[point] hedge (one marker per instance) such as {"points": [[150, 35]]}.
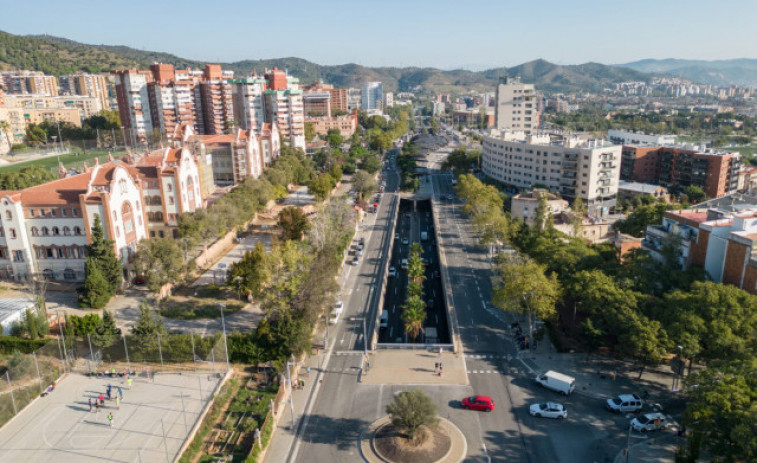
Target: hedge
{"points": [[9, 344]]}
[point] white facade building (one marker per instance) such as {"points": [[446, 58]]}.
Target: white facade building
{"points": [[516, 107], [589, 169], [623, 137]]}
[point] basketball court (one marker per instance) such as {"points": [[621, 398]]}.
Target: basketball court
{"points": [[155, 418]]}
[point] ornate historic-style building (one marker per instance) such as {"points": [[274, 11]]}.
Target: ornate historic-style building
{"points": [[45, 229]]}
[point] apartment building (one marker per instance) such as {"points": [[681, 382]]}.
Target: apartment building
{"points": [[274, 99], [718, 235], [715, 172], [354, 99], [174, 98], [217, 102], [372, 97], [87, 106], [346, 124], [316, 103], [570, 166], [87, 85], [134, 103], [338, 99], [44, 230], [28, 82], [516, 106]]}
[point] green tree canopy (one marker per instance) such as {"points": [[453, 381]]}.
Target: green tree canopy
{"points": [[412, 410]]}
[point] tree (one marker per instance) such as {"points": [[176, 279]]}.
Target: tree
{"points": [[106, 333], [161, 261], [695, 193], [542, 214], [722, 409], [411, 410], [636, 222], [334, 138], [252, 272], [523, 286], [293, 223], [363, 183], [101, 252], [645, 340], [416, 269], [321, 185], [26, 177], [371, 163], [96, 292], [309, 131], [413, 315], [149, 323], [5, 128], [577, 217]]}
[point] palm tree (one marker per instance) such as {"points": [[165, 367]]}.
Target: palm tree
{"points": [[414, 314], [5, 127], [416, 269]]}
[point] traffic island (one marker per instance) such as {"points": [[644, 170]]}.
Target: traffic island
{"points": [[383, 443]]}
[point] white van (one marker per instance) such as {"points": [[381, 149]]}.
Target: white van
{"points": [[557, 382], [384, 324]]}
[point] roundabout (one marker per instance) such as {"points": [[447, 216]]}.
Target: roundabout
{"points": [[381, 442]]}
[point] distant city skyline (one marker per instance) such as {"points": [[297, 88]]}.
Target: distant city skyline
{"points": [[441, 34]]}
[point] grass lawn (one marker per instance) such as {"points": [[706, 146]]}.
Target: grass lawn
{"points": [[74, 160], [747, 151], [203, 306]]}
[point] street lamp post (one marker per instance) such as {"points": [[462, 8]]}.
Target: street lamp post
{"points": [[223, 327]]}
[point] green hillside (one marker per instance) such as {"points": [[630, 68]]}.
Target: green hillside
{"points": [[56, 56]]}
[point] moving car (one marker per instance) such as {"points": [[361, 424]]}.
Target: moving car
{"points": [[403, 264], [384, 319], [650, 422], [548, 410], [336, 312], [624, 403], [557, 382], [405, 241], [478, 402], [396, 236], [424, 236], [392, 272]]}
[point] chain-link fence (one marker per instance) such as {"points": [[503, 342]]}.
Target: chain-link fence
{"points": [[23, 377], [26, 376]]}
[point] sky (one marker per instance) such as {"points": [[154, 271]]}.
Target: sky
{"points": [[472, 34]]}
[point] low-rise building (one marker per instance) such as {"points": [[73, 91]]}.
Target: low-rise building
{"points": [[625, 137], [346, 124], [718, 235], [87, 106], [629, 190], [523, 206]]}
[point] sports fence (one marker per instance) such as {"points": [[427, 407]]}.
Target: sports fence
{"points": [[23, 377]]}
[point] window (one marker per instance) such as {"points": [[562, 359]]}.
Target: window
{"points": [[40, 253], [66, 231], [49, 253], [75, 212], [18, 256], [61, 253], [63, 213], [8, 215], [69, 274], [31, 212], [115, 216], [13, 233], [170, 200], [152, 233], [35, 231], [69, 253], [169, 187], [2, 231], [45, 231], [56, 231], [77, 231], [161, 234], [52, 213]]}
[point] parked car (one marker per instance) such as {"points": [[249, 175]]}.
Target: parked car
{"points": [[557, 382], [650, 422], [392, 272], [355, 261], [625, 403], [478, 402], [139, 281], [548, 410], [336, 312], [384, 323]]}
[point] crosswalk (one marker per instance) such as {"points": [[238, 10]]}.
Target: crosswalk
{"points": [[489, 356]]}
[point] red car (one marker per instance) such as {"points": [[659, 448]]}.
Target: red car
{"points": [[478, 402]]}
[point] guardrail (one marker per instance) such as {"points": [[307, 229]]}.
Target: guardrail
{"points": [[383, 274], [414, 346]]}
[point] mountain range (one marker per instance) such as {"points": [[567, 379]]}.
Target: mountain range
{"points": [[56, 56], [742, 71]]}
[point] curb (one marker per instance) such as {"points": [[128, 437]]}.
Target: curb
{"points": [[456, 453]]}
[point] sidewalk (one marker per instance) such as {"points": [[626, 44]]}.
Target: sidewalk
{"points": [[616, 376], [284, 435], [654, 450], [414, 367]]}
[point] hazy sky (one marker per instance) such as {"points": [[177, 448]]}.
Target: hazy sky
{"points": [[440, 33]]}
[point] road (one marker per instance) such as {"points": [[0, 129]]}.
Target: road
{"points": [[342, 407]]}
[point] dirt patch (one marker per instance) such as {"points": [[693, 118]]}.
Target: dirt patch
{"points": [[394, 445]]}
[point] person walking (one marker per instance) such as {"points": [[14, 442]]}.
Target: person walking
{"points": [[440, 352], [120, 392], [90, 405], [436, 367], [110, 420], [102, 400], [128, 383], [118, 403], [108, 392], [440, 369], [97, 407]]}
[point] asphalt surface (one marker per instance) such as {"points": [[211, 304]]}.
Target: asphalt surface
{"points": [[414, 218], [342, 407]]}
